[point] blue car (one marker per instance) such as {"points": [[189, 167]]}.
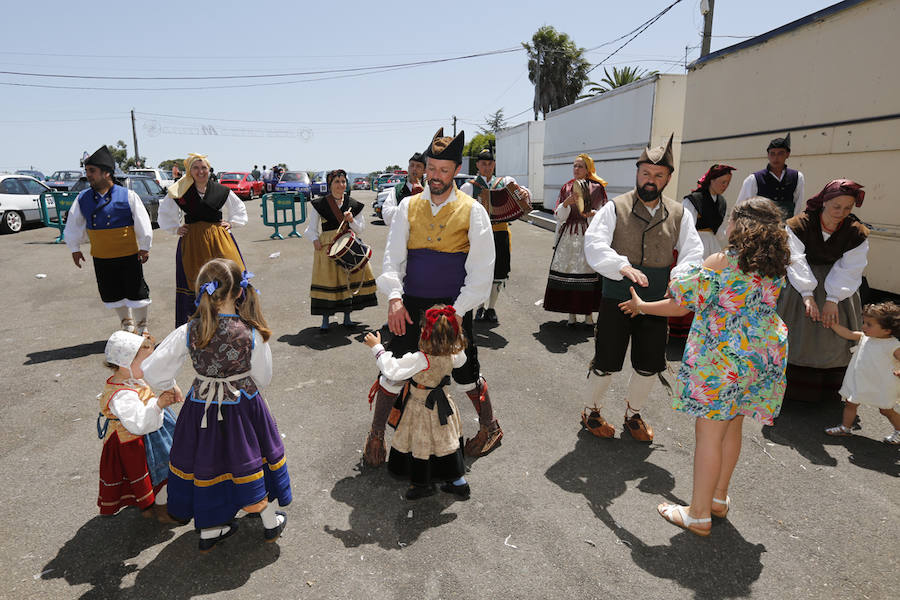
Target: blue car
{"points": [[294, 181], [319, 187]]}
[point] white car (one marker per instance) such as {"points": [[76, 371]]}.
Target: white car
{"points": [[19, 201], [163, 178]]}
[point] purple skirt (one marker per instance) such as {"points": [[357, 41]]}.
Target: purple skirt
{"points": [[236, 462]]}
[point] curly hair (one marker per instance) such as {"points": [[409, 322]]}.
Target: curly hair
{"points": [[759, 238], [886, 314]]}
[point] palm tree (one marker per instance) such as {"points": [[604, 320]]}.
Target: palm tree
{"points": [[556, 67], [618, 78]]}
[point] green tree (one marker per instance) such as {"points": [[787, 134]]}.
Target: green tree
{"points": [[617, 78], [494, 122], [168, 164], [119, 152], [391, 168], [283, 166], [556, 67], [476, 145]]}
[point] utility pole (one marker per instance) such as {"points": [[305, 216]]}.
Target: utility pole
{"points": [[706, 9], [137, 155], [454, 125]]}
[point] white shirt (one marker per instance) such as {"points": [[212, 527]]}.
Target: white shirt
{"points": [[479, 262], [606, 261], [749, 189], [399, 369], [75, 232], [842, 280], [161, 367], [390, 204], [358, 224], [170, 216], [712, 242], [135, 416]]}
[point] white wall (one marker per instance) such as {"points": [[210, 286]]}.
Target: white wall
{"points": [[520, 154]]}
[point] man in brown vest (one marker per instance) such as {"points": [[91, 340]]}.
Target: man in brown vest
{"points": [[630, 243]]}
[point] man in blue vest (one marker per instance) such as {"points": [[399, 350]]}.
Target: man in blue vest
{"points": [[777, 182], [113, 219]]}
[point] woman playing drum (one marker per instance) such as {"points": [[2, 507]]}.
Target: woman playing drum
{"points": [[334, 288]]}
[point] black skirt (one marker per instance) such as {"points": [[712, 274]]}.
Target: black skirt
{"points": [[121, 278]]}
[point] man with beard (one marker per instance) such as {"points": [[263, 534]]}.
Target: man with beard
{"points": [[117, 225], [777, 182], [482, 184], [630, 243], [439, 251], [413, 186]]}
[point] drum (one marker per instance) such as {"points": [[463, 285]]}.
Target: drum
{"points": [[349, 251]]}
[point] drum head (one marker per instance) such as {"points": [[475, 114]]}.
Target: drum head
{"points": [[339, 246]]}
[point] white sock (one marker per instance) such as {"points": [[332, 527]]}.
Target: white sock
{"points": [[140, 314], [213, 532], [601, 387], [124, 312], [162, 496], [639, 389], [269, 518], [495, 291]]}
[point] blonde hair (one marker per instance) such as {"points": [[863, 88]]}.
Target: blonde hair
{"points": [[227, 274], [444, 339]]}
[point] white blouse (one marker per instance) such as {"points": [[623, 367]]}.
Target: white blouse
{"points": [[399, 369], [161, 367], [479, 262], [170, 216], [75, 232], [358, 224], [842, 280], [138, 418]]}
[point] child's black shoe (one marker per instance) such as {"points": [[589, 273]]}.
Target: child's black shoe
{"points": [[462, 491], [419, 491], [207, 544], [272, 534]]}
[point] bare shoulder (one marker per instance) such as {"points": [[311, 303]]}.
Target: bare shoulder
{"points": [[716, 262]]}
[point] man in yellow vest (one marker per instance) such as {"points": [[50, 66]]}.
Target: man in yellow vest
{"points": [[440, 250], [630, 243], [118, 227]]}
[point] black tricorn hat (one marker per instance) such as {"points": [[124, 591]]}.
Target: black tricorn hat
{"points": [[661, 155], [446, 148], [784, 142], [486, 154], [417, 157], [103, 159]]}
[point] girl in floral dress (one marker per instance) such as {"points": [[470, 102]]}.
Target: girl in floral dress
{"points": [[736, 351]]}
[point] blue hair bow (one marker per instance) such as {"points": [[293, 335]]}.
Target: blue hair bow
{"points": [[209, 287], [245, 279]]}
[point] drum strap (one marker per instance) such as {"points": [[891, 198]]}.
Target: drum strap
{"points": [[335, 209]]}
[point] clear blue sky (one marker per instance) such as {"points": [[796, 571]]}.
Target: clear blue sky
{"points": [[357, 123]]}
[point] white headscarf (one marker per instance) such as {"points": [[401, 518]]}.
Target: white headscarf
{"points": [[180, 187]]}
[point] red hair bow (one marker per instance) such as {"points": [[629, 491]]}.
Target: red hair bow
{"points": [[433, 314]]}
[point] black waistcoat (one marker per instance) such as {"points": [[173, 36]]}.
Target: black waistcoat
{"points": [[779, 192], [710, 211], [326, 216], [208, 208]]}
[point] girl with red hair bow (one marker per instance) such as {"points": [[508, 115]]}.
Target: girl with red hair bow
{"points": [[426, 446]]}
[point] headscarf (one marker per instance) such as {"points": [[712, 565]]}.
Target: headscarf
{"points": [[592, 171], [714, 172], [180, 187], [838, 187]]}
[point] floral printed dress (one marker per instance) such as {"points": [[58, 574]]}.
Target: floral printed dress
{"points": [[736, 351]]}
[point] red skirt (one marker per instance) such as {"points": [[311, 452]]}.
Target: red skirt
{"points": [[680, 326], [124, 477]]}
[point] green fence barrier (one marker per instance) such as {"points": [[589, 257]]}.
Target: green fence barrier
{"points": [[283, 212], [54, 207]]}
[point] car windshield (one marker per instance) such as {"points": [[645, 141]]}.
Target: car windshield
{"points": [[231, 176], [296, 177], [153, 186]]}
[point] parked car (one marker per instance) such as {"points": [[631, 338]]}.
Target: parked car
{"points": [[294, 181], [360, 183], [379, 201], [62, 181], [319, 187], [19, 201], [162, 177], [146, 188], [31, 173], [243, 184]]}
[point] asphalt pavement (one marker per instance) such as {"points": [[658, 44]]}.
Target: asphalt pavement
{"points": [[554, 512]]}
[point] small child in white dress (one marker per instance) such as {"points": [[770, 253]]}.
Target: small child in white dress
{"points": [[873, 376]]}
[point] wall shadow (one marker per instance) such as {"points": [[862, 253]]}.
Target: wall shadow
{"points": [[67, 353]]}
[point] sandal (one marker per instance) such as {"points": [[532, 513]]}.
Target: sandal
{"points": [[893, 439], [668, 511], [128, 325], [839, 431], [636, 426], [721, 514], [594, 422]]}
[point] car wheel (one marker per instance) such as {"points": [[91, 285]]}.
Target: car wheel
{"points": [[12, 222]]}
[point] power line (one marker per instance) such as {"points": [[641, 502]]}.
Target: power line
{"points": [[637, 31]]}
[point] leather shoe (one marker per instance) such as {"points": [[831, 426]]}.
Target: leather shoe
{"points": [[416, 492], [272, 534], [207, 544], [463, 491]]}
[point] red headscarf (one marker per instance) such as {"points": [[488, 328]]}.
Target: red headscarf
{"points": [[433, 314], [714, 172], [838, 187]]}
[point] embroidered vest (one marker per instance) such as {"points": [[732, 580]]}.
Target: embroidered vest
{"points": [[710, 211], [779, 192], [647, 242], [110, 224], [819, 251], [115, 426]]}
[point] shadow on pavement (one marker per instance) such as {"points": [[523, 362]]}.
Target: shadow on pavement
{"points": [[801, 426], [485, 337], [557, 336], [600, 469], [98, 552], [69, 352], [381, 515], [312, 338]]}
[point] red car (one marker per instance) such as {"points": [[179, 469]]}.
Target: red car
{"points": [[360, 183], [243, 185]]}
